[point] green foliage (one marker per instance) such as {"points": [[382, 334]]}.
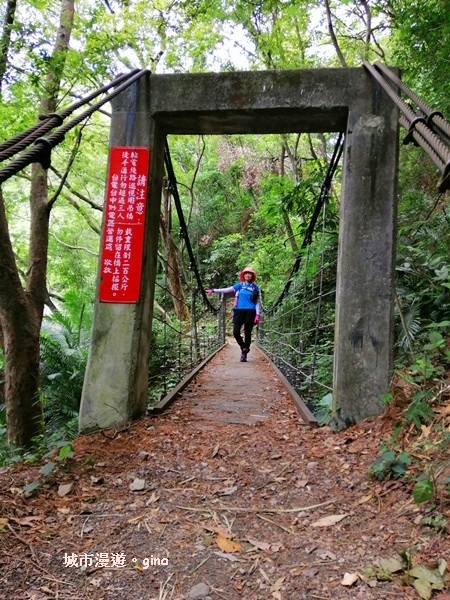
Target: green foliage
{"points": [[324, 409], [64, 350], [437, 521], [43, 446], [221, 266], [390, 465], [65, 451], [419, 411], [420, 40], [424, 489], [423, 579]]}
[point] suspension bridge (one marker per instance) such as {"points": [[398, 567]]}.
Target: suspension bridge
{"points": [[330, 332]]}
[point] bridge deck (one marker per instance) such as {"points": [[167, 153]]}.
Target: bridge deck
{"points": [[229, 391]]}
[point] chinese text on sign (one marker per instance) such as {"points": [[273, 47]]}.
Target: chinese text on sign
{"points": [[124, 224]]}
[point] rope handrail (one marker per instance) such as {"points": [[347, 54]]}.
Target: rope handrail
{"points": [[418, 127], [47, 122], [41, 150]]}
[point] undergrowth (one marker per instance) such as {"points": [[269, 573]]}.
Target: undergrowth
{"points": [[418, 407]]}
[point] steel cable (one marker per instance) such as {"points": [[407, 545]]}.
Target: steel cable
{"points": [[183, 227], [323, 196], [427, 137], [434, 117], [48, 122], [41, 150]]}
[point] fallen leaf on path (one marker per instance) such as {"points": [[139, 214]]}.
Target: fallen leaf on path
{"points": [[238, 587], [297, 570], [227, 545], [227, 491], [153, 498], [277, 585], [364, 499], [349, 579], [328, 521], [221, 531], [64, 489], [137, 485], [27, 521], [34, 594], [230, 557], [302, 483], [266, 577], [259, 545], [326, 554]]}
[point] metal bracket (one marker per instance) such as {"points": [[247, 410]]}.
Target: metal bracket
{"points": [[412, 126]]}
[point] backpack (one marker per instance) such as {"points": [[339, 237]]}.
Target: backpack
{"points": [[254, 297]]}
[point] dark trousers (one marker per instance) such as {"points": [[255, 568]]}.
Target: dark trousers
{"points": [[243, 318]]}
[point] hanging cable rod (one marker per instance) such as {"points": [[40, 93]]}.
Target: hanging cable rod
{"points": [[183, 227], [426, 128], [307, 239]]}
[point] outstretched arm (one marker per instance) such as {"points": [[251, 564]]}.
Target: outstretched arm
{"points": [[227, 290]]}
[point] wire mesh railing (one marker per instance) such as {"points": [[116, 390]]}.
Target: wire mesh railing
{"points": [[298, 336], [297, 330], [181, 339]]}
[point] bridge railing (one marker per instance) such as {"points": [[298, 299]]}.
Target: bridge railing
{"points": [[298, 336], [179, 343]]}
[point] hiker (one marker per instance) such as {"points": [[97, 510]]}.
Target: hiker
{"points": [[246, 311]]}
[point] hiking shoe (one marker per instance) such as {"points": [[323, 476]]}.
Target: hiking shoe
{"points": [[243, 356]]}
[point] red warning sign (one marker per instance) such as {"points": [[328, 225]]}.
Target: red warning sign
{"points": [[124, 224]]}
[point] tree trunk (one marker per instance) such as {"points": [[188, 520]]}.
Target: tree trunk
{"points": [[172, 263], [286, 219], [21, 310], [20, 327], [21, 348], [5, 40]]}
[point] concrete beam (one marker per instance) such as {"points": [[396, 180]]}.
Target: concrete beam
{"points": [[310, 100]]}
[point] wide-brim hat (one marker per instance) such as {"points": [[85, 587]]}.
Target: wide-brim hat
{"points": [[247, 270]]}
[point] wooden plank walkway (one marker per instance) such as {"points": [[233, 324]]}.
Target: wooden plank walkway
{"points": [[233, 392]]}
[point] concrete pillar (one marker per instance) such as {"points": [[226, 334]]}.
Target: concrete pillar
{"points": [[364, 334], [116, 379]]}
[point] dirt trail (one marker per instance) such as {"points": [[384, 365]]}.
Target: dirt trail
{"points": [[229, 494]]}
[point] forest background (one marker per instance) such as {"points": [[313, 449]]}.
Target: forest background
{"points": [[248, 198]]}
